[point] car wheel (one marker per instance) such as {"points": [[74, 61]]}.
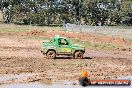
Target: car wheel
{"points": [[51, 54], [78, 55]]}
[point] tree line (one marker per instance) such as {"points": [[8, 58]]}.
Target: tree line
{"points": [[59, 12]]}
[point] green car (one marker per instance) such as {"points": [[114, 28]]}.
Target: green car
{"points": [[62, 46]]}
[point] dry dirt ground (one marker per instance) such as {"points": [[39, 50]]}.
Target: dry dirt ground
{"points": [[21, 59]]}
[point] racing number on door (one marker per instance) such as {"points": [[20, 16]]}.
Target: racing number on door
{"points": [[65, 50]]}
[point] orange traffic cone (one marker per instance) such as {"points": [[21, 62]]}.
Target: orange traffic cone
{"points": [[85, 73]]}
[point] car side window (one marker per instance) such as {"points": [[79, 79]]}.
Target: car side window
{"points": [[63, 41], [66, 42]]}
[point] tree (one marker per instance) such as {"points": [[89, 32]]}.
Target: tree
{"points": [[48, 12]]}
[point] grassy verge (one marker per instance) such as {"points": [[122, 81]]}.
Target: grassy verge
{"points": [[87, 44], [129, 40], [27, 28], [36, 38], [94, 45], [40, 38], [99, 46], [24, 28]]}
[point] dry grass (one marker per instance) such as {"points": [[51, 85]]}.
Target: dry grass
{"points": [[23, 28], [1, 18]]}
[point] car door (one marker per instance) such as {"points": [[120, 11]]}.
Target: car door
{"points": [[64, 47]]}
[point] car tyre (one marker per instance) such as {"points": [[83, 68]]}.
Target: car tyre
{"points": [[51, 54], [78, 55]]}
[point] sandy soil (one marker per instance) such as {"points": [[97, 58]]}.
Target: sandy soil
{"points": [[21, 59]]}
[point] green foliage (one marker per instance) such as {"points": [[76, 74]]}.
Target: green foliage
{"points": [[90, 12]]}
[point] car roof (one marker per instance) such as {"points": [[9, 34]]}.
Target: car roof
{"points": [[57, 36]]}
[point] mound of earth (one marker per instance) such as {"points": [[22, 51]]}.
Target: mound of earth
{"points": [[82, 36]]}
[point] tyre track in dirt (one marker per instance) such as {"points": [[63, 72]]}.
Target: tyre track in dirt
{"points": [[12, 46], [19, 47], [107, 54], [20, 51], [23, 56]]}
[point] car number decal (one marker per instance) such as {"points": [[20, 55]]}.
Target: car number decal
{"points": [[66, 50]]}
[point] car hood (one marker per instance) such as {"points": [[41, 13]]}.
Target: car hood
{"points": [[46, 43], [78, 46]]}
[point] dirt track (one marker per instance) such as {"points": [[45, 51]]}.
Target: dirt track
{"points": [[22, 57]]}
